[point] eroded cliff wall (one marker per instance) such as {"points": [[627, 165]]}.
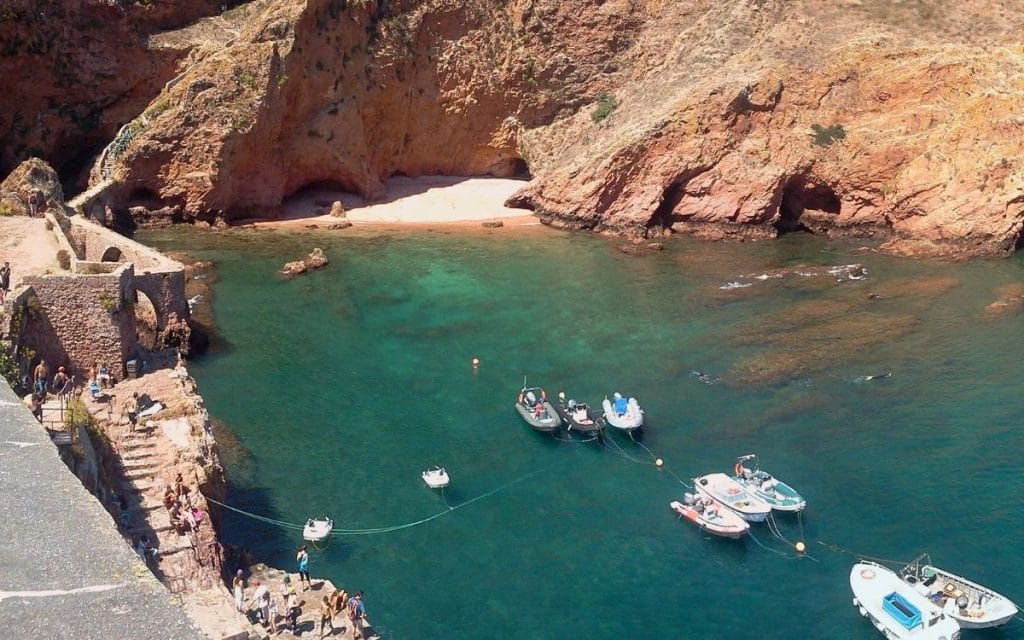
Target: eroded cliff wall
{"points": [[747, 118]]}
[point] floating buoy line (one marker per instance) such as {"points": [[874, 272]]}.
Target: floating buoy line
{"points": [[375, 530], [799, 545]]}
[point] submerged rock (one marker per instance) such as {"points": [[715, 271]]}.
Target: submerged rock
{"points": [[315, 260]]}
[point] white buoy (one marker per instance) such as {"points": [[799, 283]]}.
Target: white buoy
{"points": [[476, 362], [561, 396], [659, 462], [800, 547]]}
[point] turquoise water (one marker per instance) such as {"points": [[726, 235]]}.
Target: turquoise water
{"points": [[341, 386]]}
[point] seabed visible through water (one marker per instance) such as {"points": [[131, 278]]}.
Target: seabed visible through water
{"points": [[338, 388]]}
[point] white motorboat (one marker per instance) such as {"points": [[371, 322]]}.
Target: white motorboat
{"points": [[317, 529], [731, 493], [779, 495], [436, 478], [622, 413], [969, 603], [895, 608]]}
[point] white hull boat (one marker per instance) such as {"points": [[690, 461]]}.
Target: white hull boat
{"points": [[436, 478], [969, 603], [779, 495], [732, 494], [623, 414], [896, 609], [317, 529], [711, 516]]}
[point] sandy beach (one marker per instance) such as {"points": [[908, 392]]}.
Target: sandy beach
{"points": [[446, 200]]}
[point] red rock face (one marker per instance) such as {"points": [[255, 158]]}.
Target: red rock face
{"points": [[75, 70], [719, 119]]}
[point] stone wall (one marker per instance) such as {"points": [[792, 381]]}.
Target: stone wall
{"points": [[83, 320], [95, 241]]}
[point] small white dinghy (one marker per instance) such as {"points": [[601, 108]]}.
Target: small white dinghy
{"points": [[317, 529], [622, 413], [895, 608], [436, 478], [969, 603], [732, 494]]}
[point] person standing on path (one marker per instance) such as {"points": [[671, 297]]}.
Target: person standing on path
{"points": [[302, 557], [33, 203], [292, 610], [5, 280], [261, 600], [61, 385], [357, 614], [326, 613], [238, 587], [39, 376]]}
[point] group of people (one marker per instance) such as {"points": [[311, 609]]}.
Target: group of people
{"points": [[61, 385], [185, 516], [267, 610]]}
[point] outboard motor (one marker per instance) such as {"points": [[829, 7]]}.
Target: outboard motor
{"points": [[531, 399], [961, 602], [688, 498]]}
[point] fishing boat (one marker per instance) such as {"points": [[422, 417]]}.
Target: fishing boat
{"points": [[969, 603], [711, 516], [317, 529], [895, 608], [579, 417], [779, 495], [623, 414], [533, 407], [731, 493], [436, 478]]}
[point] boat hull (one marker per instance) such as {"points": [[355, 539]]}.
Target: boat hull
{"points": [[895, 609], [549, 422], [723, 527], [594, 426], [782, 498], [944, 588], [724, 489], [632, 420]]}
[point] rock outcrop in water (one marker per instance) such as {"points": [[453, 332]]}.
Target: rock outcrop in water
{"points": [[896, 121]]}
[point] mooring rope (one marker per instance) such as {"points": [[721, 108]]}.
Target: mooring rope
{"points": [[750, 534], [616, 448], [860, 556], [374, 530]]}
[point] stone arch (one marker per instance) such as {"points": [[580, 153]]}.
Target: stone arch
{"points": [[112, 254], [148, 322]]}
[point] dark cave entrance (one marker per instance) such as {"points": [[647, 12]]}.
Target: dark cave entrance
{"points": [[670, 198], [806, 206]]}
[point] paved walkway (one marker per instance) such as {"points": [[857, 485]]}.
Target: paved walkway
{"points": [[66, 572]]}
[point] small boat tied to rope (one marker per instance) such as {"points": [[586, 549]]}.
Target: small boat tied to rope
{"points": [[317, 529], [436, 478]]}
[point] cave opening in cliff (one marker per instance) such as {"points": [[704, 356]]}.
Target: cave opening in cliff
{"points": [[670, 198], [73, 170], [801, 195], [316, 197]]}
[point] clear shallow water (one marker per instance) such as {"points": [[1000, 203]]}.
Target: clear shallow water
{"points": [[341, 386]]}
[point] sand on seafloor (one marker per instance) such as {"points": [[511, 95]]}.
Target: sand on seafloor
{"points": [[427, 199]]}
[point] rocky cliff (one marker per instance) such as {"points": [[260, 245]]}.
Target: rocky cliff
{"points": [[895, 120]]}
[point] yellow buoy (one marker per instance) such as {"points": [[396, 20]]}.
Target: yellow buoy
{"points": [[476, 362], [800, 547], [659, 462]]}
